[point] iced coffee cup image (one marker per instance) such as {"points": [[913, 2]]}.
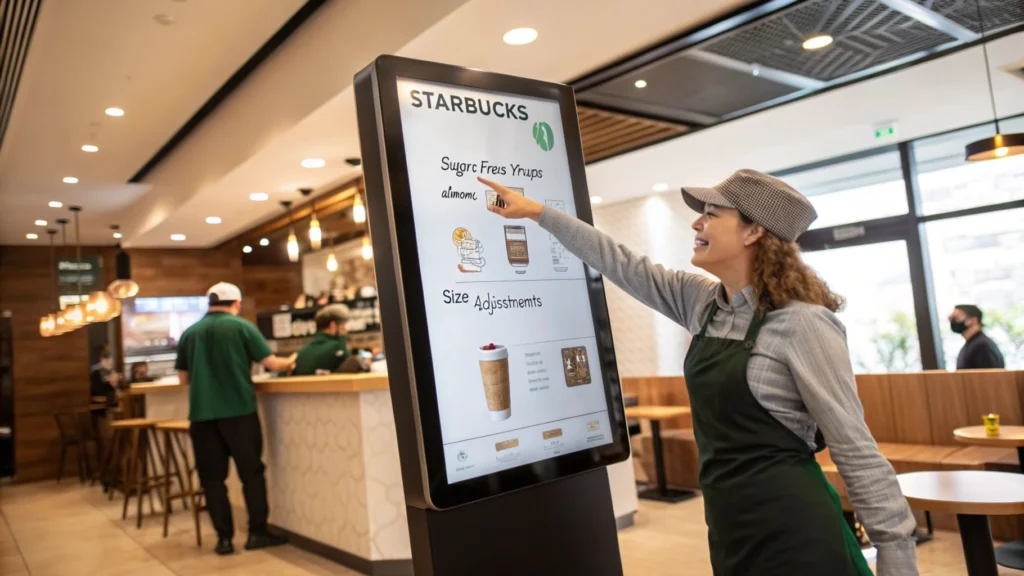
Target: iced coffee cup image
{"points": [[494, 373]]}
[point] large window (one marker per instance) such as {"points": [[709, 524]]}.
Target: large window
{"points": [[879, 314], [905, 252]]}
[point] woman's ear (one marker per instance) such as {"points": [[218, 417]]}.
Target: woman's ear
{"points": [[754, 233]]}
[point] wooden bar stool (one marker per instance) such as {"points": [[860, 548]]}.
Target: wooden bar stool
{"points": [[175, 433], [70, 437], [141, 474]]}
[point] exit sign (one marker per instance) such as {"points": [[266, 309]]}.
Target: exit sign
{"points": [[885, 131]]}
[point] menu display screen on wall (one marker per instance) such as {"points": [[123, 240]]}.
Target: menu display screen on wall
{"points": [[508, 308]]}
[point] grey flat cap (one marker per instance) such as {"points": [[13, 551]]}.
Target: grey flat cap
{"points": [[764, 199]]}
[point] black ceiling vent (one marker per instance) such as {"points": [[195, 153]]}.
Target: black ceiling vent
{"points": [[867, 33], [998, 14], [17, 21]]}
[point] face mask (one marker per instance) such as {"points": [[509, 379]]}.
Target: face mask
{"points": [[957, 326]]}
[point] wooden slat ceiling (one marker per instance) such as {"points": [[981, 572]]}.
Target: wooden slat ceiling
{"points": [[609, 133]]}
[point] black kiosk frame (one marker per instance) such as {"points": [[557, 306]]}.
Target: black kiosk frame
{"points": [[548, 517]]}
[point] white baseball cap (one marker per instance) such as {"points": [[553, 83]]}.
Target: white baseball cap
{"points": [[223, 292]]}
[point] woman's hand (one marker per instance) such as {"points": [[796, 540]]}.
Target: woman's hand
{"points": [[516, 205]]}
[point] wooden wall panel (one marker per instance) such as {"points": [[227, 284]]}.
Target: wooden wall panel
{"points": [[660, 391], [947, 404], [913, 421], [873, 390], [992, 391], [268, 286]]}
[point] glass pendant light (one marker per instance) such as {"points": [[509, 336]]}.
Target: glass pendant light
{"points": [[124, 286], [48, 323], [315, 234], [75, 316], [293, 240], [332, 263], [358, 210], [367, 248], [1001, 145]]}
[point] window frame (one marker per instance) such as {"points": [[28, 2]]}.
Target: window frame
{"points": [[909, 227]]}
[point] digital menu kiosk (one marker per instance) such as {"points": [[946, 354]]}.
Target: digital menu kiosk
{"points": [[499, 348]]}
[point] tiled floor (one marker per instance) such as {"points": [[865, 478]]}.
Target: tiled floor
{"points": [[48, 529]]}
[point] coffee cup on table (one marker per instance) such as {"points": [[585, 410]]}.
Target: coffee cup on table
{"points": [[494, 373]]}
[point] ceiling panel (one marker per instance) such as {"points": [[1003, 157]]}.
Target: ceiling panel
{"points": [[608, 133], [997, 13]]}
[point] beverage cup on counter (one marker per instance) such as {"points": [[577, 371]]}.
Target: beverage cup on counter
{"points": [[991, 424], [494, 373]]}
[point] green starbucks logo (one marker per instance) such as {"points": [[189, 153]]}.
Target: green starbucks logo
{"points": [[543, 135]]}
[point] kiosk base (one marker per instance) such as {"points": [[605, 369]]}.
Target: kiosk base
{"points": [[558, 528]]}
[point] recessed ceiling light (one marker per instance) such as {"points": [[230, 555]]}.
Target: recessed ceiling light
{"points": [[40, 222], [178, 237], [115, 112], [90, 148], [640, 83], [259, 196], [314, 163], [756, 71], [213, 220], [519, 36], [595, 199], [31, 236], [246, 249], [264, 242], [118, 235], [817, 42], [70, 180], [55, 204], [660, 187]]}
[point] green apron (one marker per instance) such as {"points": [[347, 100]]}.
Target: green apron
{"points": [[768, 507]]}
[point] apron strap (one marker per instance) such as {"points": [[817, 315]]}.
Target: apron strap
{"points": [[713, 309], [753, 330]]}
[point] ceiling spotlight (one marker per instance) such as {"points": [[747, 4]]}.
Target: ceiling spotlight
{"points": [[31, 236], [519, 36], [115, 112], [314, 163], [40, 222], [756, 71], [90, 148], [353, 161], [55, 204], [660, 187], [595, 199], [259, 196], [70, 180], [640, 83], [817, 42], [246, 249], [213, 220], [118, 235], [264, 242], [178, 237]]}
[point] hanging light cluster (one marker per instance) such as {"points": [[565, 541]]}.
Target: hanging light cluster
{"points": [[99, 306]]}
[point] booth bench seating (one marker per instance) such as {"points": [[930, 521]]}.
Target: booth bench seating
{"points": [[911, 416]]}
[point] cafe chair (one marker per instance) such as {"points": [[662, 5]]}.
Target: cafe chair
{"points": [[71, 437]]}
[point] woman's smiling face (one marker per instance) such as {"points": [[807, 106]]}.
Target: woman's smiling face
{"points": [[722, 238]]}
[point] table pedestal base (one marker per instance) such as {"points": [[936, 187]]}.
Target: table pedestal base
{"points": [[670, 495], [976, 537], [1011, 555]]}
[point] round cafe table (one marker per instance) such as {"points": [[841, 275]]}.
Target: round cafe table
{"points": [[1011, 554], [655, 414], [973, 495]]}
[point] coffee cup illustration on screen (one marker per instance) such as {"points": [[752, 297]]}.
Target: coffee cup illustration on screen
{"points": [[494, 200], [470, 250], [494, 373], [576, 366], [517, 249]]}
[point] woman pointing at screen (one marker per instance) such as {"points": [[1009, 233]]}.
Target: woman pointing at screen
{"points": [[767, 368]]}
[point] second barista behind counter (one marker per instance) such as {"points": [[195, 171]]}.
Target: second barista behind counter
{"points": [[328, 352]]}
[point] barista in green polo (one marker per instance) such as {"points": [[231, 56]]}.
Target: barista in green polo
{"points": [[215, 358], [329, 347]]}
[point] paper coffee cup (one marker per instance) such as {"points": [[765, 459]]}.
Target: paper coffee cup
{"points": [[494, 373]]}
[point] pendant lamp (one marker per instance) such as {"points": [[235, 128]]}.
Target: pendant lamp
{"points": [[48, 323], [293, 240], [75, 316], [358, 210], [1001, 145], [367, 248], [315, 233], [60, 323], [124, 286]]}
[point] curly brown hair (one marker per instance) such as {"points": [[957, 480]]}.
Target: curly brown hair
{"points": [[781, 276]]}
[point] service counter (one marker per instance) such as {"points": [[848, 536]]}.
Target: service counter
{"points": [[333, 471]]}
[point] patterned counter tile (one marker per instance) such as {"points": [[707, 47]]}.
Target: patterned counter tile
{"points": [[389, 527]]}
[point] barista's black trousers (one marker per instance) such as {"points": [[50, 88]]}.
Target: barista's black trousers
{"points": [[241, 439]]}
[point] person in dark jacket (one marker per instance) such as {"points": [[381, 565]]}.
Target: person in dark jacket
{"points": [[103, 379], [329, 347], [979, 351]]}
